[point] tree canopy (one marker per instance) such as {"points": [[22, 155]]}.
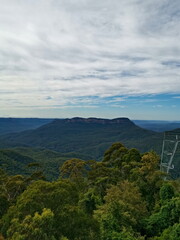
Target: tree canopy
{"points": [[122, 197]]}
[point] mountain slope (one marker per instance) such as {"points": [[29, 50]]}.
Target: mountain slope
{"points": [[90, 137], [14, 162], [10, 125]]}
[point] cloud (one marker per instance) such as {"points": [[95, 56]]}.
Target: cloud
{"points": [[87, 50], [158, 106]]}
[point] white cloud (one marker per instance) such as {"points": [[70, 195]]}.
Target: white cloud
{"points": [[158, 106], [84, 48]]}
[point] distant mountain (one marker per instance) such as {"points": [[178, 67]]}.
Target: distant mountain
{"points": [[158, 126], [89, 137], [11, 125]]}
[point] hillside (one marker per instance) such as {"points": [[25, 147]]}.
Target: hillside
{"points": [[16, 160], [90, 137], [11, 125]]}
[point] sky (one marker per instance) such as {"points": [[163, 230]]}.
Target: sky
{"points": [[90, 58]]}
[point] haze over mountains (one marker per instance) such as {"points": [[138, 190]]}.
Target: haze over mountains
{"points": [[11, 125], [158, 126], [87, 136]]}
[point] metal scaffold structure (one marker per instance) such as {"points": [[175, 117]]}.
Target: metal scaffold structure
{"points": [[170, 151]]}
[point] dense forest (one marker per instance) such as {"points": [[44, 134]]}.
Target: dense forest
{"points": [[122, 197]]}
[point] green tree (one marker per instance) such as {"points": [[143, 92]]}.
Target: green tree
{"points": [[149, 178], [171, 233], [114, 155], [118, 156], [166, 192], [167, 216], [39, 226], [11, 186], [130, 161], [62, 198], [4, 205], [101, 177], [90, 200], [123, 208], [74, 169], [36, 172]]}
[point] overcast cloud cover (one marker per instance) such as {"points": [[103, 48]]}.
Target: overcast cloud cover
{"points": [[104, 58]]}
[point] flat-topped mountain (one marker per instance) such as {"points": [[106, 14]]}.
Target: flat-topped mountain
{"points": [[87, 136], [97, 120]]}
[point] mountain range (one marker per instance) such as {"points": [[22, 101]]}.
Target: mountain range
{"points": [[54, 141], [10, 125], [87, 136], [158, 126]]}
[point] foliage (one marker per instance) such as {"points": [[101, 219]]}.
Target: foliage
{"points": [[149, 178], [40, 226], [171, 233], [19, 161], [123, 197], [166, 192], [123, 208], [167, 216]]}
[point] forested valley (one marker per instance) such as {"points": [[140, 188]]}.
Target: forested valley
{"points": [[122, 197]]}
